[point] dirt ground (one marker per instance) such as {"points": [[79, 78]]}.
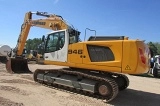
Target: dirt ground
{"points": [[21, 90]]}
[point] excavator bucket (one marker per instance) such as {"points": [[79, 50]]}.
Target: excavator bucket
{"points": [[17, 65]]}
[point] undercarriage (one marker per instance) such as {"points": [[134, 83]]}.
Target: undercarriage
{"points": [[94, 83]]}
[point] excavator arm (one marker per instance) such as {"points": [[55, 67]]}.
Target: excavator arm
{"points": [[51, 21]]}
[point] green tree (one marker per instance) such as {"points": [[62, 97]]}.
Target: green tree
{"points": [[157, 44], [33, 44], [153, 47]]}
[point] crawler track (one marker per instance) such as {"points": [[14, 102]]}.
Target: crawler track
{"points": [[122, 81], [106, 88]]}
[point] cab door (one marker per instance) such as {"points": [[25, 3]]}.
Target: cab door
{"points": [[56, 47]]}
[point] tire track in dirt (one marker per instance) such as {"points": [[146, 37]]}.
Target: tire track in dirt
{"points": [[87, 100], [13, 90], [83, 100], [19, 81], [28, 77], [2, 67], [7, 102]]}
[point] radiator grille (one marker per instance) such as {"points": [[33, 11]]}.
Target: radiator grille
{"points": [[100, 53]]}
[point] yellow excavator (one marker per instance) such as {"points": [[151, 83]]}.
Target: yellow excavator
{"points": [[34, 56], [96, 66]]}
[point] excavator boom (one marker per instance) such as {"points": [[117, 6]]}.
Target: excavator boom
{"points": [[53, 22]]}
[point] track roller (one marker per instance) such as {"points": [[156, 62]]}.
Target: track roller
{"points": [[104, 89], [108, 89], [121, 80]]}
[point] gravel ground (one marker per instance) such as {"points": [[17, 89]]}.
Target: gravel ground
{"points": [[21, 90]]}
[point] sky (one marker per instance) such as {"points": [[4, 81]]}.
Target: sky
{"points": [[136, 19]]}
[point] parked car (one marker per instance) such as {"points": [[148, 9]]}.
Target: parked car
{"points": [[155, 68]]}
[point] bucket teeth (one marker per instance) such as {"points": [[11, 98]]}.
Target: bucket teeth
{"points": [[17, 65]]}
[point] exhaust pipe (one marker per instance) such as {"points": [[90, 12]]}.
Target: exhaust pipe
{"points": [[17, 65]]}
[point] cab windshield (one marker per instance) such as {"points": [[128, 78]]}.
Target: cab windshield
{"points": [[55, 41]]}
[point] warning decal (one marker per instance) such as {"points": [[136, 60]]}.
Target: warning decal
{"points": [[127, 68]]}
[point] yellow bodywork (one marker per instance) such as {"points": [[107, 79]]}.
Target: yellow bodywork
{"points": [[130, 56], [34, 56]]}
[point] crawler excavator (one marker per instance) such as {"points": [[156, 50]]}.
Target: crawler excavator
{"points": [[96, 66]]}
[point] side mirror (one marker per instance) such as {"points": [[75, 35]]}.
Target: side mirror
{"points": [[43, 38]]}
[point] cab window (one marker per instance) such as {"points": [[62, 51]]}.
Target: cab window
{"points": [[55, 41], [73, 36]]}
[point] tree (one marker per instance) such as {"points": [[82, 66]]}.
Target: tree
{"points": [[153, 48], [158, 47], [33, 44]]}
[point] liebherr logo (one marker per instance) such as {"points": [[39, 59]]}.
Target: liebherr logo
{"points": [[38, 23]]}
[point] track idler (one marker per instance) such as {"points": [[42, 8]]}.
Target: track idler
{"points": [[17, 65]]}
